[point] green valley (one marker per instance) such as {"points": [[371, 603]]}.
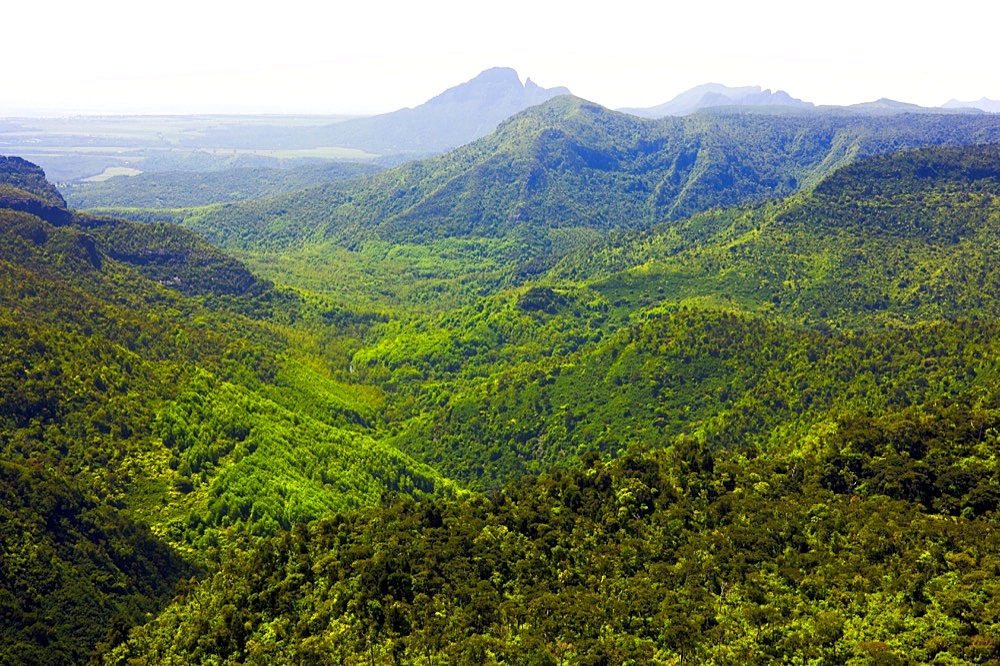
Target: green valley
{"points": [[593, 388]]}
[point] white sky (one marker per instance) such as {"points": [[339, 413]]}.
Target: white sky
{"points": [[373, 56]]}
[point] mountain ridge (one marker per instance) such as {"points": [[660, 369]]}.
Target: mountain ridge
{"points": [[984, 104], [753, 99], [570, 163], [711, 95]]}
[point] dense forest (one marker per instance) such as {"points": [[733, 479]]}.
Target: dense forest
{"points": [[592, 389]]}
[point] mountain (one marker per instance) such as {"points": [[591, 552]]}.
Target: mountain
{"points": [[714, 96], [987, 105], [78, 148], [711, 95], [457, 116], [594, 388], [562, 171], [885, 106]]}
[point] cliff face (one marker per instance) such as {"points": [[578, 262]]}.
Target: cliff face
{"points": [[23, 187], [23, 175]]}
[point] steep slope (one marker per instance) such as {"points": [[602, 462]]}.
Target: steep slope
{"points": [[164, 253], [19, 174], [903, 237], [75, 571], [140, 427], [569, 163], [23, 187], [98, 352]]}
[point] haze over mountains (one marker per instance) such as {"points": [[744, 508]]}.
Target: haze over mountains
{"points": [[458, 115], [76, 148], [988, 105], [711, 95]]}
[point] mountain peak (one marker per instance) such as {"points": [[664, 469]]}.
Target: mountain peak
{"points": [[498, 85], [460, 114]]}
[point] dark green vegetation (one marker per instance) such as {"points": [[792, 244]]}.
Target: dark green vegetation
{"points": [[74, 570], [593, 389], [843, 553]]}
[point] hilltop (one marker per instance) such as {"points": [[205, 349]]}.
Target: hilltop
{"points": [[453, 118]]}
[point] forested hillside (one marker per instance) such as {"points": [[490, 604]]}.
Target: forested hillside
{"points": [[142, 429], [504, 209], [570, 163], [800, 398], [594, 389], [734, 326]]}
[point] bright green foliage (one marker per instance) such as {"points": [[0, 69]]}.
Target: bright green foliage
{"points": [[863, 299], [244, 462], [850, 253], [720, 377], [108, 390]]}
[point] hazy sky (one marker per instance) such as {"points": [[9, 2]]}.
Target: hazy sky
{"points": [[373, 56]]}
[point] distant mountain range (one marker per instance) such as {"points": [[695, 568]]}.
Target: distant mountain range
{"points": [[712, 95], [457, 116], [71, 149], [716, 96], [473, 109], [988, 105]]}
